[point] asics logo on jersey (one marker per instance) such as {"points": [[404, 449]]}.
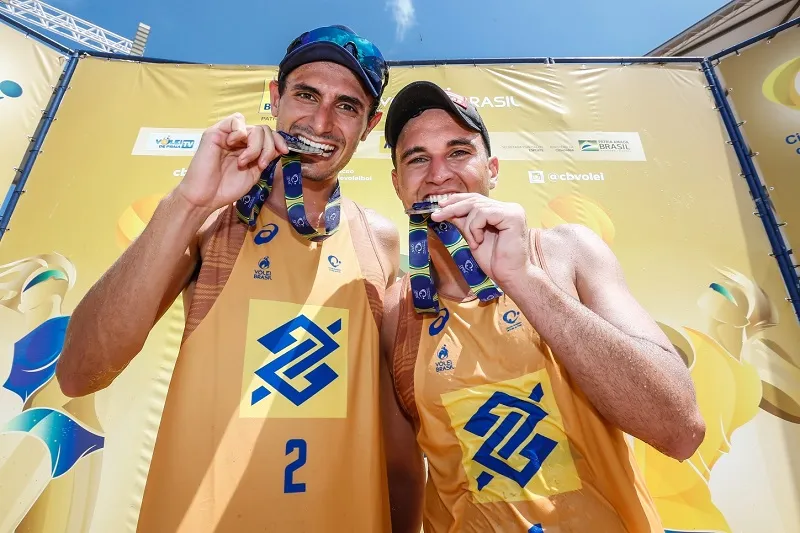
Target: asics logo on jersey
{"points": [[438, 325], [266, 234], [296, 373], [510, 436]]}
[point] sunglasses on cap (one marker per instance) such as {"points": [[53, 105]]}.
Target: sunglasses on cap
{"points": [[366, 54]]}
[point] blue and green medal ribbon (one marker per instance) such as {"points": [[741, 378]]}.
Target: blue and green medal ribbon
{"points": [[248, 207], [426, 300]]}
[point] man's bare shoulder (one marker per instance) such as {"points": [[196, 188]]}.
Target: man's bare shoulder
{"points": [[573, 250], [384, 229], [387, 242], [570, 248]]}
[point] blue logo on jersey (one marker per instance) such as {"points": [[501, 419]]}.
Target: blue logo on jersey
{"points": [[535, 450], [512, 319], [335, 263], [266, 234], [263, 272], [444, 364], [442, 353], [438, 325], [296, 358]]}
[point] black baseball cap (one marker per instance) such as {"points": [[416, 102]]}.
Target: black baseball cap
{"points": [[420, 96]]}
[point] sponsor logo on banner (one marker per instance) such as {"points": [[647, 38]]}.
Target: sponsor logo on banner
{"points": [[10, 89], [604, 145], [782, 86], [175, 142], [350, 175], [265, 106], [793, 140], [180, 172], [538, 176], [505, 100], [384, 146]]}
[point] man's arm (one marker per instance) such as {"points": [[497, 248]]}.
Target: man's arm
{"points": [[111, 323], [611, 347], [387, 241], [405, 467]]}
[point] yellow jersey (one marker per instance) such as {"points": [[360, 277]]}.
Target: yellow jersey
{"points": [[271, 421], [512, 443]]}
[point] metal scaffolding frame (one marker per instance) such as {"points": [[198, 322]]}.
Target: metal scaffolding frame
{"points": [[76, 29]]}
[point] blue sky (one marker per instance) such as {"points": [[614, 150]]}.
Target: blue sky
{"points": [[257, 32]]}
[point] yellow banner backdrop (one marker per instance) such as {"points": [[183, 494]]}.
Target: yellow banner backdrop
{"points": [[28, 72], [637, 153], [765, 93]]}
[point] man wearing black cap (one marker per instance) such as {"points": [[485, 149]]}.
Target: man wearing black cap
{"points": [[517, 357], [271, 420]]}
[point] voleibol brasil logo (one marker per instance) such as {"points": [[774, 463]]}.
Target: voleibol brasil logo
{"points": [[511, 436], [263, 272], [298, 372], [10, 89]]}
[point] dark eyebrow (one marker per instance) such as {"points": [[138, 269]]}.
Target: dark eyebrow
{"points": [[411, 151], [352, 100], [461, 141]]}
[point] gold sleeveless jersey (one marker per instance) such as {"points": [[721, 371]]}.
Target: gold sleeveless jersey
{"points": [[271, 421], [512, 444]]}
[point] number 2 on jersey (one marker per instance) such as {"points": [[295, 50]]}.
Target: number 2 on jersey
{"points": [[289, 486]]}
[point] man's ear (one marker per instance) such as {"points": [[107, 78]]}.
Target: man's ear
{"points": [[371, 125], [394, 182], [494, 168], [274, 97]]}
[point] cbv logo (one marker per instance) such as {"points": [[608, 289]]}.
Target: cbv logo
{"points": [[509, 437], [296, 372], [511, 318]]}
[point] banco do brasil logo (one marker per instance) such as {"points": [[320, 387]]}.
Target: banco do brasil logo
{"points": [[296, 372], [10, 89], [494, 460], [782, 86]]}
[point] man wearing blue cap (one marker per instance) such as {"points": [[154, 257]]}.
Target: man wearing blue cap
{"points": [[271, 421]]}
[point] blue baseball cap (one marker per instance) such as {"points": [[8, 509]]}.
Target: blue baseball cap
{"points": [[341, 45]]}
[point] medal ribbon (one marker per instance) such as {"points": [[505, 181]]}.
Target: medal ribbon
{"points": [[426, 300], [248, 207]]}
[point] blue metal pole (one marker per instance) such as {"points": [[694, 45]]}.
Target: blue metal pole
{"points": [[769, 34], [37, 141], [780, 251]]}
